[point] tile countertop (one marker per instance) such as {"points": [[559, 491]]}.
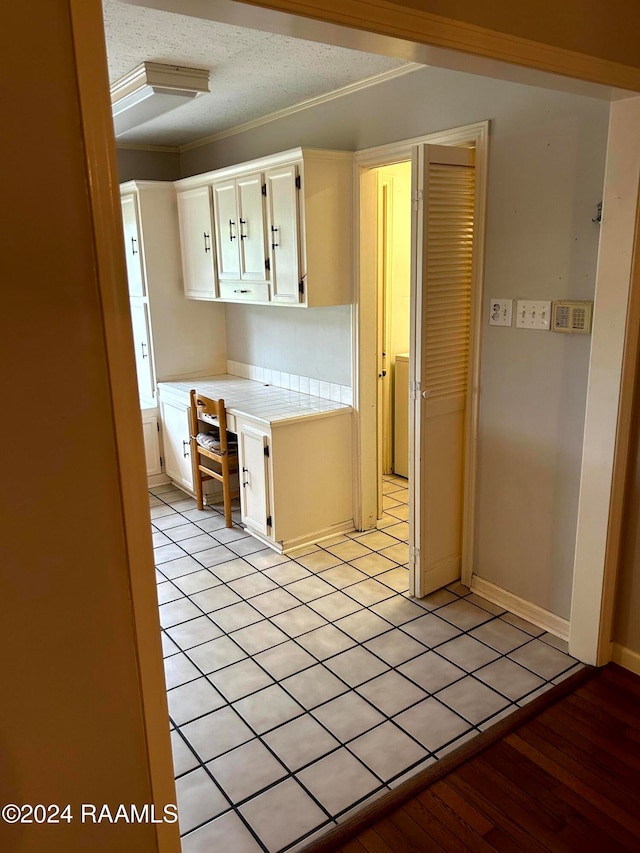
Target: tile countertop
{"points": [[247, 398]]}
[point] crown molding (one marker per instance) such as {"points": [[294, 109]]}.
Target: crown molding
{"points": [[374, 80], [134, 146]]}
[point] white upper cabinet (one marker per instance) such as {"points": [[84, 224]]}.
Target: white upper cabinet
{"points": [[142, 350], [132, 246], [197, 243], [238, 207], [172, 336], [287, 285], [283, 230]]}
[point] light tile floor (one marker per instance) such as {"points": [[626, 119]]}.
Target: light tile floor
{"points": [[301, 688]]}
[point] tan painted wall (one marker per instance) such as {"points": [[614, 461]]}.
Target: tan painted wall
{"points": [[627, 615], [604, 29], [71, 723]]}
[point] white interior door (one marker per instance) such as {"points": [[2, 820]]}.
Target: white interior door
{"points": [[441, 301]]}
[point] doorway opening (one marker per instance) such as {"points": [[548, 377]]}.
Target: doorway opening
{"points": [[419, 308], [393, 333]]}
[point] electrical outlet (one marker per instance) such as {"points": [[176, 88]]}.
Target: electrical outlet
{"points": [[500, 312], [533, 314]]}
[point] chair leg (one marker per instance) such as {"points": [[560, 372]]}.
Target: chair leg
{"points": [[197, 477], [226, 492]]}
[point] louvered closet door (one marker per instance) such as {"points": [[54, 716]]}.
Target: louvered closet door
{"points": [[442, 330]]}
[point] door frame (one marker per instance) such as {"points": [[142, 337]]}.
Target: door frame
{"points": [[365, 344]]}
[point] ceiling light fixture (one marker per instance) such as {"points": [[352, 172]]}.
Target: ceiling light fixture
{"points": [[152, 89]]}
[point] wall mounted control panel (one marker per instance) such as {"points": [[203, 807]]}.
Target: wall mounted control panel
{"points": [[572, 317]]}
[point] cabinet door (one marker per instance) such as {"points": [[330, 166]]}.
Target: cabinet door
{"points": [[283, 235], [196, 237], [132, 246], [151, 445], [251, 228], [225, 212], [142, 350], [254, 479], [177, 456]]}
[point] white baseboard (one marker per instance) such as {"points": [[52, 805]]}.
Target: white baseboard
{"points": [[626, 657], [555, 625], [157, 480]]}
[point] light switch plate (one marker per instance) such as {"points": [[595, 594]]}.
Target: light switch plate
{"points": [[533, 314], [500, 312]]}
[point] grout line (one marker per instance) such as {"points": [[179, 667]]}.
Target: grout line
{"points": [[317, 661]]}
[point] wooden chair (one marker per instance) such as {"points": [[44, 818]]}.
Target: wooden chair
{"points": [[215, 448]]}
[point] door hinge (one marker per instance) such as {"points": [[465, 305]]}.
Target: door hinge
{"points": [[267, 264], [269, 521], [301, 287], [158, 426], [266, 450], [416, 200], [298, 182], [414, 390], [414, 553], [161, 462], [264, 189]]}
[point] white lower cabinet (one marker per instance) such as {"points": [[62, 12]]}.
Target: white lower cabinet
{"points": [[152, 452], [177, 455], [295, 471], [255, 479], [296, 478]]}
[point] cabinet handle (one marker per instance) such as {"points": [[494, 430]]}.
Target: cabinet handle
{"points": [[143, 347], [186, 448], [242, 291], [134, 251], [242, 222], [207, 245], [274, 230], [232, 225], [245, 482]]}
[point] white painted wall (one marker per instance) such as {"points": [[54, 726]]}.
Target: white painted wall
{"points": [[546, 172], [313, 342]]}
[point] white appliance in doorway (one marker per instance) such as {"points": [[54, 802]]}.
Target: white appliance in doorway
{"points": [[401, 416]]}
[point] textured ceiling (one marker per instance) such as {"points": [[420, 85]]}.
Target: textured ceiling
{"points": [[253, 73]]}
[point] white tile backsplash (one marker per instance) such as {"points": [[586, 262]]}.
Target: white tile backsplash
{"points": [[291, 381]]}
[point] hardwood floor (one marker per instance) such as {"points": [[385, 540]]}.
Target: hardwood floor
{"points": [[566, 780]]}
